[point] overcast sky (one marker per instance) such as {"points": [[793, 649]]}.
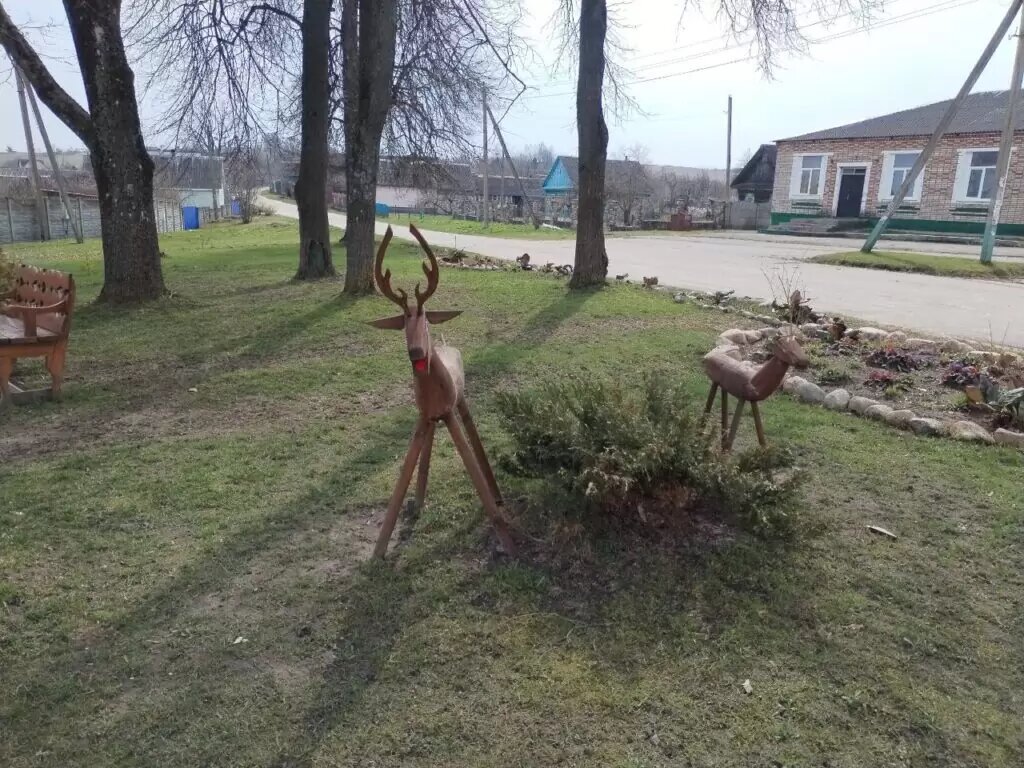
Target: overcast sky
{"points": [[899, 63]]}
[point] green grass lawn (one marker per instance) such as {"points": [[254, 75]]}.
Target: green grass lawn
{"points": [[948, 266], [183, 575], [439, 223]]}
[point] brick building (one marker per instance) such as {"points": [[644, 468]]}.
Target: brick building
{"points": [[853, 171]]}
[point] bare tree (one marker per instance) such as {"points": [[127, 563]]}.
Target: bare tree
{"points": [[245, 175], [368, 39], [626, 182], [111, 130]]}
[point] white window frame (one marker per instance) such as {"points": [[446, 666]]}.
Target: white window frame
{"points": [[963, 175], [839, 180], [885, 179], [794, 181]]}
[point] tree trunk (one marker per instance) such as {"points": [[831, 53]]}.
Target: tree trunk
{"points": [[368, 29], [591, 266], [113, 135], [311, 186]]}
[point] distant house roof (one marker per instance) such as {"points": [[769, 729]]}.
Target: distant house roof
{"points": [[564, 175], [69, 161], [982, 112], [177, 169], [759, 172]]}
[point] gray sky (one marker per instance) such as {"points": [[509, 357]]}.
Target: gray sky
{"points": [[899, 63]]}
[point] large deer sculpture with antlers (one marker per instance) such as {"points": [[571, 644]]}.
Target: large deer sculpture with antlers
{"points": [[440, 388]]}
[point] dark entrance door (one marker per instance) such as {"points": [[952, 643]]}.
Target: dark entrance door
{"points": [[851, 190]]}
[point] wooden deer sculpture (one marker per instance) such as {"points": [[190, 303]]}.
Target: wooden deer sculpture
{"points": [[439, 385], [749, 384]]}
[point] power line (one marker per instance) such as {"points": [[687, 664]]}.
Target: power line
{"points": [[947, 5]]}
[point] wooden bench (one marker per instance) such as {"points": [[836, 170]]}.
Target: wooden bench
{"points": [[35, 319]]}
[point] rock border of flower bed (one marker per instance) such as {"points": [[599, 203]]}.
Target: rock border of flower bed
{"points": [[733, 340]]}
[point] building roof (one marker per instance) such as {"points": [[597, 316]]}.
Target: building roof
{"points": [[982, 112], [68, 161], [759, 171], [614, 170], [187, 170]]}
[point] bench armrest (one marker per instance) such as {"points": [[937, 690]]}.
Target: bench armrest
{"points": [[28, 314]]}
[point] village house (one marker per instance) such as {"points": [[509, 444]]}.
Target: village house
{"points": [[853, 171], [756, 179], [626, 184]]}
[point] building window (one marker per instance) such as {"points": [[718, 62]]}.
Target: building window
{"points": [[895, 169], [810, 175], [976, 175], [982, 178]]}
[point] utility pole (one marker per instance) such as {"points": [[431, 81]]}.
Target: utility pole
{"points": [[484, 214], [501, 189], [44, 224], [515, 172], [940, 130], [728, 153], [995, 205], [57, 175]]}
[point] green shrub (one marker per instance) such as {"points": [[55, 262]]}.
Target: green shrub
{"points": [[833, 374], [6, 274], [639, 454]]}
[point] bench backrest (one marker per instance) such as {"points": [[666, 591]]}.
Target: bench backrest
{"points": [[35, 287]]}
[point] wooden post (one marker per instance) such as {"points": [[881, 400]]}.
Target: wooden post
{"points": [[940, 130], [728, 156], [81, 224], [10, 219], [995, 205], [57, 175], [44, 224], [515, 172], [485, 217]]}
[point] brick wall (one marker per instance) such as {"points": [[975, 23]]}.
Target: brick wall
{"points": [[936, 203]]}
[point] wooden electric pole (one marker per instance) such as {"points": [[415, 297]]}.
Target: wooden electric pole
{"points": [[484, 215], [940, 130], [515, 173], [57, 175], [995, 205], [728, 153], [37, 183]]}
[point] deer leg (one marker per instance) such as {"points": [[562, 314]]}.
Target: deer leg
{"points": [[480, 483], [709, 404], [6, 369], [424, 470], [725, 419], [735, 423], [478, 449], [757, 424], [404, 477]]}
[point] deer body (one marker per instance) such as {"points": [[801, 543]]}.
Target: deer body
{"points": [[439, 385], [749, 383]]}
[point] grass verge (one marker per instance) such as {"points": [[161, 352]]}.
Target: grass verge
{"points": [[947, 266], [439, 223], [183, 575]]}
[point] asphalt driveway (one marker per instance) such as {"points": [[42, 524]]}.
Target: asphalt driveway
{"points": [[982, 310]]}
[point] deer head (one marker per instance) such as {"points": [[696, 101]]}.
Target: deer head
{"points": [[416, 321], [787, 349]]}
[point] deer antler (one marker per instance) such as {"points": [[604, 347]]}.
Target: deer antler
{"points": [[398, 296], [432, 272]]}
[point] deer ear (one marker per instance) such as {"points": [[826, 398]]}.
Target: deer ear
{"points": [[395, 323], [442, 316]]}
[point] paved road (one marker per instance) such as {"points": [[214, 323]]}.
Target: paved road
{"points": [[971, 309]]}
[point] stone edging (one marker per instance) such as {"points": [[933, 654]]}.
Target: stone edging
{"points": [[730, 342]]}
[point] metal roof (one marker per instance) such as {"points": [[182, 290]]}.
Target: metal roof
{"points": [[982, 112]]}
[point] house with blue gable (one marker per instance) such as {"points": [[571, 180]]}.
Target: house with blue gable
{"points": [[626, 184]]}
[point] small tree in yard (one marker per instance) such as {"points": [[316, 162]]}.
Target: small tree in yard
{"points": [[245, 177], [111, 130]]}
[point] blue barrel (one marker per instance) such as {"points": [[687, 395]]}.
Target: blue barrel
{"points": [[236, 207], [190, 217], [383, 210]]}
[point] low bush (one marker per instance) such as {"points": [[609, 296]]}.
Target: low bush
{"points": [[639, 455], [896, 359], [6, 274]]}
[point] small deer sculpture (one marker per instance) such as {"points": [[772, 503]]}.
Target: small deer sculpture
{"points": [[439, 385], [749, 384]]}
